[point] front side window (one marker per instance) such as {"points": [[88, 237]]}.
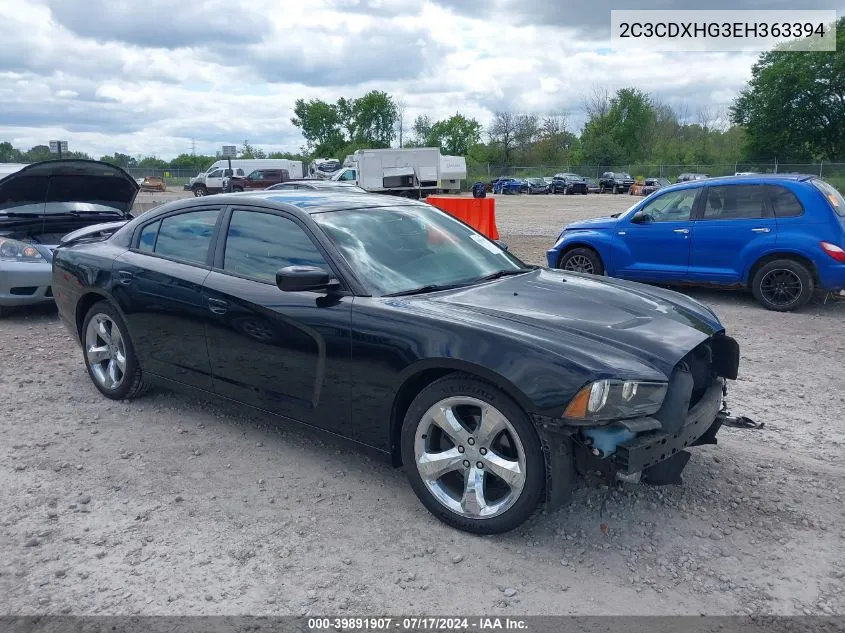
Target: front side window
{"points": [[405, 248], [735, 202], [259, 244], [673, 206], [217, 173], [185, 236], [348, 175]]}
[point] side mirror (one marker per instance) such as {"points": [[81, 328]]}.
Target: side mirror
{"points": [[303, 279], [640, 218]]}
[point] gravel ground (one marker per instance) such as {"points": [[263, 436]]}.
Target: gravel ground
{"points": [[172, 505]]}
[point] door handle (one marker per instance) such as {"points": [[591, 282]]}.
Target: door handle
{"points": [[684, 231], [764, 229], [124, 276], [217, 306]]}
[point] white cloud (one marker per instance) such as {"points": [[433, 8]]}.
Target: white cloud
{"points": [[147, 78]]}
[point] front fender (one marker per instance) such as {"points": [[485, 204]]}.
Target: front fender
{"points": [[600, 240]]}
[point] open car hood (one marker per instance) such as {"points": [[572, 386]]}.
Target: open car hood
{"points": [[43, 188]]}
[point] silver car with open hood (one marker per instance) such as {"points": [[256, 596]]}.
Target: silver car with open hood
{"points": [[43, 202]]}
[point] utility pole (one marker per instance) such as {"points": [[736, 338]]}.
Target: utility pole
{"points": [[193, 147]]}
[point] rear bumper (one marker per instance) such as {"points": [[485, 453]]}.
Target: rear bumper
{"points": [[23, 284], [832, 277]]}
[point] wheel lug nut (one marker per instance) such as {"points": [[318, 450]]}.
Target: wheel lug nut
{"points": [[483, 451], [466, 463], [460, 449], [479, 465], [470, 441]]}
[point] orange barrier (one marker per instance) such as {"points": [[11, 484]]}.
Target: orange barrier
{"points": [[479, 213]]}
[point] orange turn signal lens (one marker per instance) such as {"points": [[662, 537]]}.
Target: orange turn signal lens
{"points": [[577, 407]]}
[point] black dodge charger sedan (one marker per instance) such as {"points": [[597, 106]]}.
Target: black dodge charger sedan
{"points": [[391, 323]]}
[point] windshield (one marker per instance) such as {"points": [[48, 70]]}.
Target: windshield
{"points": [[833, 196], [405, 248]]}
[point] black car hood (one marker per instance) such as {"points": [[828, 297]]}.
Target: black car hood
{"points": [[47, 188], [608, 324]]}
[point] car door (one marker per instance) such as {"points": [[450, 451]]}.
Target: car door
{"points": [[349, 175], [214, 181], [285, 352], [270, 177], [654, 243], [734, 226], [159, 289]]}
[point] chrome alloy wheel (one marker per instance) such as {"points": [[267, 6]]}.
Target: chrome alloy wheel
{"points": [[470, 458], [105, 351]]}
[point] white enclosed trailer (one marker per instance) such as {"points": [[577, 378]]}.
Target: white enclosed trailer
{"points": [[413, 172], [453, 169]]}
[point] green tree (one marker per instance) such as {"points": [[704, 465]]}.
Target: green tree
{"points": [[794, 105], [9, 154], [330, 128], [153, 163], [454, 136], [248, 151], [121, 160], [192, 162]]}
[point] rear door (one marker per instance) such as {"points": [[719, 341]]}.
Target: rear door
{"points": [[735, 226], [284, 352], [270, 177], [657, 248], [159, 289]]}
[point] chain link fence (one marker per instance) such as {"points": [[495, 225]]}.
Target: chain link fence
{"points": [[833, 173]]}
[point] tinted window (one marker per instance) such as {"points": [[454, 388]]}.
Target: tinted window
{"points": [[186, 236], [259, 244], [674, 206], [735, 203], [215, 174], [272, 174], [256, 175], [148, 237], [784, 202]]}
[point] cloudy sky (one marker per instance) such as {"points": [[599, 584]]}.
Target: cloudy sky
{"points": [[149, 77]]}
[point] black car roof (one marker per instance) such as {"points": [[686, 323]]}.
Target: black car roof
{"points": [[306, 200]]}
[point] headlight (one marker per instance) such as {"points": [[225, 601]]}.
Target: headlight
{"points": [[15, 251], [616, 400]]}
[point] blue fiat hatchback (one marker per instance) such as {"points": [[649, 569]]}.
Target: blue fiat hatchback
{"points": [[782, 236]]}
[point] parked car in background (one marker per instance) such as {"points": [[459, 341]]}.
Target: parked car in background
{"points": [[592, 185], [394, 325], [648, 186], [316, 184], [39, 204], [259, 179], [615, 182], [783, 237], [686, 177], [536, 185], [568, 185], [153, 183], [508, 186]]}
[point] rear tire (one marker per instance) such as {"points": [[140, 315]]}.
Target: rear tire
{"points": [[783, 285], [461, 412], [582, 260], [237, 189], [109, 355]]}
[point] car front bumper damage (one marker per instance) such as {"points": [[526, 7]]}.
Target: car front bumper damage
{"points": [[651, 449]]}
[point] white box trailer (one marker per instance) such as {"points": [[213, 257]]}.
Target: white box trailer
{"points": [[453, 169], [413, 172]]}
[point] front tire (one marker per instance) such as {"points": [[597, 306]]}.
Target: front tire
{"points": [[109, 355], [472, 456], [237, 189], [582, 260], [200, 191], [783, 285]]}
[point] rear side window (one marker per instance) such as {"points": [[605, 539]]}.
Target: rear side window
{"points": [[735, 202], [784, 202], [833, 196], [185, 236]]}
